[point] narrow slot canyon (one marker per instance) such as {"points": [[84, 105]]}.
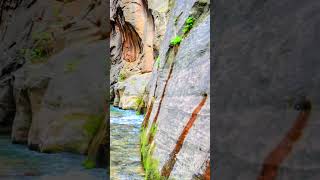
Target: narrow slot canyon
{"points": [[55, 106], [156, 82]]}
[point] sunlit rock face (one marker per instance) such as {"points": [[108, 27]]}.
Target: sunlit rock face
{"points": [[129, 94], [176, 93], [179, 95], [49, 49], [133, 34]]}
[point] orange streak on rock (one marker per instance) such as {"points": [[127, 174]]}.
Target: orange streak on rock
{"points": [[161, 99], [167, 168], [280, 153], [146, 118], [206, 175]]}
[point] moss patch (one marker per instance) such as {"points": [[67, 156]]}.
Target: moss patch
{"points": [[89, 164], [175, 41], [42, 47], [122, 76], [150, 164], [158, 62], [71, 66], [92, 121], [188, 25], [92, 124], [138, 101]]}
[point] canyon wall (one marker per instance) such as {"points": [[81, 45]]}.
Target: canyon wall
{"points": [[136, 34], [171, 83], [48, 51], [266, 98], [177, 123]]}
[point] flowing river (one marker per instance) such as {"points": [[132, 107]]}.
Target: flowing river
{"points": [[125, 150], [17, 162]]}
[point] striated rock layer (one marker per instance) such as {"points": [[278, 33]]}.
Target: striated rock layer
{"points": [[137, 30], [176, 128]]}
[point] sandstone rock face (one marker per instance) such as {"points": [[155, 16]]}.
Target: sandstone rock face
{"points": [[128, 47], [177, 92], [135, 42], [73, 99], [7, 109], [29, 87], [160, 11], [266, 60], [49, 54], [179, 96], [137, 29], [129, 93], [99, 146]]}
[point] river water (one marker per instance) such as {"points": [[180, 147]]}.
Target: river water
{"points": [[17, 162], [125, 149]]}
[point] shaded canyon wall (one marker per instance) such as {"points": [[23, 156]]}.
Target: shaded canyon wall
{"points": [[267, 64], [48, 52]]}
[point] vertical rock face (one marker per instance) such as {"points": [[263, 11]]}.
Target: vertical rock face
{"points": [[49, 49], [268, 67], [133, 42], [7, 104], [177, 122], [175, 139]]}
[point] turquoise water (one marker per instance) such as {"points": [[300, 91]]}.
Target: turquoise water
{"points": [[19, 163], [125, 149]]}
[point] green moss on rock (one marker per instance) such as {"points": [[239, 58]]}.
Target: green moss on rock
{"points": [[122, 77], [92, 121], [150, 164], [92, 124], [89, 164], [188, 24], [175, 41]]}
